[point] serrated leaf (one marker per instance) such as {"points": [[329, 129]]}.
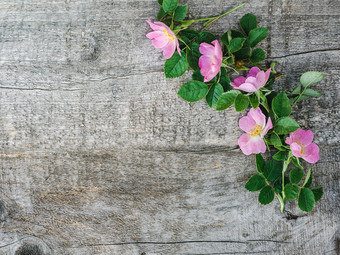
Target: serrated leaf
{"points": [[260, 163], [205, 37], [296, 162], [308, 180], [311, 93], [180, 12], [241, 103], [291, 191], [286, 125], [196, 76], [278, 185], [242, 54], [193, 91], [306, 200], [275, 139], [193, 55], [236, 44], [225, 82], [279, 156], [161, 13], [257, 35], [160, 2], [214, 94], [176, 65], [248, 22], [169, 5], [226, 38], [266, 195], [226, 100], [272, 170], [254, 101], [318, 192], [189, 33], [281, 105], [257, 56], [297, 90], [309, 78], [256, 182], [296, 175]]}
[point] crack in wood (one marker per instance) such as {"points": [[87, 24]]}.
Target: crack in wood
{"points": [[305, 52]]}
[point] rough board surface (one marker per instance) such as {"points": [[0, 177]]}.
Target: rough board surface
{"points": [[100, 156]]}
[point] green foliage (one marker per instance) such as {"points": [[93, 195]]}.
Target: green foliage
{"points": [[296, 175], [285, 125], [275, 140], [236, 44], [272, 170], [311, 93], [308, 180], [169, 5], [257, 35], [279, 156], [193, 55], [306, 200], [214, 94], [196, 76], [266, 195], [281, 106], [257, 56], [317, 192], [205, 37], [193, 91], [176, 65], [180, 12], [226, 100], [248, 22], [225, 81], [309, 78], [241, 102], [161, 13], [254, 101], [256, 182], [260, 163], [291, 191]]}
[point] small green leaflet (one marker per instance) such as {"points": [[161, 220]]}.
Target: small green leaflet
{"points": [[241, 103], [176, 65], [266, 195], [281, 105], [257, 56], [272, 170], [309, 78], [180, 12], [296, 175], [291, 191], [257, 35], [214, 94], [169, 5], [193, 91], [226, 100], [306, 200], [285, 125], [248, 22], [256, 182]]}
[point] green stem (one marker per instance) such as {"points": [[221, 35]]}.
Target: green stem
{"points": [[299, 96], [285, 166]]}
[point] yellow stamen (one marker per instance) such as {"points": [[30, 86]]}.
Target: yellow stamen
{"points": [[168, 35], [255, 131], [303, 152]]}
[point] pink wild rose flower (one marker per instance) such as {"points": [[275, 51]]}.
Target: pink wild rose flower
{"points": [[211, 61], [301, 145], [163, 38], [255, 80], [255, 126]]}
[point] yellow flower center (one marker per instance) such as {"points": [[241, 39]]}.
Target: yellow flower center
{"points": [[303, 152], [168, 35], [255, 131]]}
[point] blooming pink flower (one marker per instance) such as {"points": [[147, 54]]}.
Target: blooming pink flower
{"points": [[255, 80], [301, 145], [163, 38], [254, 124], [211, 61]]}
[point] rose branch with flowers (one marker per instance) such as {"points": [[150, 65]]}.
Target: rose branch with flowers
{"points": [[268, 125]]}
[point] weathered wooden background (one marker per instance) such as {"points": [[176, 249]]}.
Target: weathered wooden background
{"points": [[100, 156]]}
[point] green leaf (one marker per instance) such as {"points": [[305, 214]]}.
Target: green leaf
{"points": [[281, 106], [241, 103], [254, 101], [169, 5], [318, 192], [278, 185], [257, 56], [296, 175], [257, 35], [242, 54], [225, 81], [311, 93], [296, 162], [256, 182], [297, 90], [308, 180], [275, 139], [226, 38], [161, 13], [180, 12], [235, 33], [291, 191], [160, 2], [193, 91], [306, 200], [236, 44], [285, 125], [310, 77], [279, 156], [189, 33], [272, 170], [214, 94], [266, 195], [248, 22], [260, 163], [176, 65], [193, 56], [226, 100], [205, 37], [196, 76]]}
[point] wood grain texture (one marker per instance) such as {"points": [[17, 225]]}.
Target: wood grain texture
{"points": [[100, 156]]}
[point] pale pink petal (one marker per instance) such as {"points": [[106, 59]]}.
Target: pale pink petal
{"points": [[260, 79], [311, 153], [246, 123], [258, 116], [210, 75], [267, 74], [218, 51], [251, 144], [289, 140], [239, 80], [155, 27], [206, 49], [155, 34], [177, 44], [268, 126], [160, 42], [251, 80], [247, 87], [253, 71], [304, 137], [204, 63], [169, 49], [296, 150]]}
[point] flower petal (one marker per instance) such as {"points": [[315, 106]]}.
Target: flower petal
{"points": [[258, 116], [253, 71], [204, 63], [260, 79], [169, 49], [296, 150], [154, 27], [268, 126], [251, 144], [217, 51], [246, 123], [160, 42], [304, 137], [239, 80], [207, 49], [247, 87], [154, 34], [312, 153], [267, 74]]}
